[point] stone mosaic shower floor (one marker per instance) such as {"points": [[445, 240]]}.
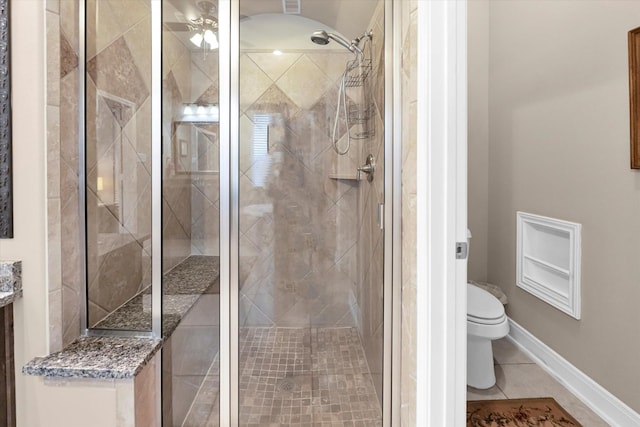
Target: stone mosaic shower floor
{"points": [[296, 377]]}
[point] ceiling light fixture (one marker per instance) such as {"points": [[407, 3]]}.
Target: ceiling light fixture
{"points": [[205, 27]]}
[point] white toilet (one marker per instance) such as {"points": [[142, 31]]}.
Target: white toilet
{"points": [[486, 321]]}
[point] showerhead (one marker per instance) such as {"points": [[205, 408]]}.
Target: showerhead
{"points": [[321, 37]]}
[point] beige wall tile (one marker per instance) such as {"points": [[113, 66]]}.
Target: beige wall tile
{"points": [[145, 387], [55, 320], [53, 58], [69, 119], [53, 6], [128, 13], [53, 152], [138, 40], [69, 21], [54, 245], [253, 82], [274, 66], [409, 243], [295, 82]]}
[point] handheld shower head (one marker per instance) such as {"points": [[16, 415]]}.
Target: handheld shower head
{"points": [[321, 37]]}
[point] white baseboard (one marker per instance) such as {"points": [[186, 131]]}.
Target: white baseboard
{"points": [[597, 398]]}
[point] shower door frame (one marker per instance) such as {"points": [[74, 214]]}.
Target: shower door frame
{"points": [[229, 75]]}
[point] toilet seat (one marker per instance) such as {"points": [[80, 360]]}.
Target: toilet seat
{"points": [[483, 308]]}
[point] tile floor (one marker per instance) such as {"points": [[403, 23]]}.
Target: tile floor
{"points": [[296, 377], [517, 376]]}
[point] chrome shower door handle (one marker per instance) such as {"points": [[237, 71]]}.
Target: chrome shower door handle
{"points": [[369, 168]]}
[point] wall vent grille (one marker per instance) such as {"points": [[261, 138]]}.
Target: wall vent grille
{"points": [[291, 7]]}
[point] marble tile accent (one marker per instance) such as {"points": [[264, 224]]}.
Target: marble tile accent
{"points": [[68, 58], [114, 71], [96, 357]]}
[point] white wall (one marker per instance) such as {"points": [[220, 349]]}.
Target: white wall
{"points": [[559, 147], [478, 136], [29, 173]]}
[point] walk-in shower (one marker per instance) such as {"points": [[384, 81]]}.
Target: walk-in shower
{"points": [[272, 249]]}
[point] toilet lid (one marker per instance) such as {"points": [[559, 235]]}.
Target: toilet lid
{"points": [[482, 307]]}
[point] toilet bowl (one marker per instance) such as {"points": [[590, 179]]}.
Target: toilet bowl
{"points": [[486, 321]]}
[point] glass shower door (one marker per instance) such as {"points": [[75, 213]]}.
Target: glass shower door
{"points": [[311, 252], [191, 213]]}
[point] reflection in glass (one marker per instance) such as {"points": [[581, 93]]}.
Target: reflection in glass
{"points": [[190, 199], [118, 168]]}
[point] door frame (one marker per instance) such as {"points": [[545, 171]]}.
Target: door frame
{"points": [[441, 213]]}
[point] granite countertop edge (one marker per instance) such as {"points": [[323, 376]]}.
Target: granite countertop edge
{"points": [[10, 282], [7, 298], [72, 361]]}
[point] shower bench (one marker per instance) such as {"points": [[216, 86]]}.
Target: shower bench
{"points": [[123, 373]]}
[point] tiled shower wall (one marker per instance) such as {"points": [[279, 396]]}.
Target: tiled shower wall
{"points": [[205, 193], [297, 225], [370, 283], [54, 35], [409, 194], [117, 143], [62, 173], [120, 32]]}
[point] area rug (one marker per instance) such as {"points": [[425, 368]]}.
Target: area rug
{"points": [[544, 412]]}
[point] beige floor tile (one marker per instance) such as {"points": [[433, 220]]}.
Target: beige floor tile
{"points": [[488, 394], [529, 380], [506, 353]]}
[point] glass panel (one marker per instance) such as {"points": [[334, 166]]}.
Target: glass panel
{"points": [[190, 187], [118, 164], [311, 251]]}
